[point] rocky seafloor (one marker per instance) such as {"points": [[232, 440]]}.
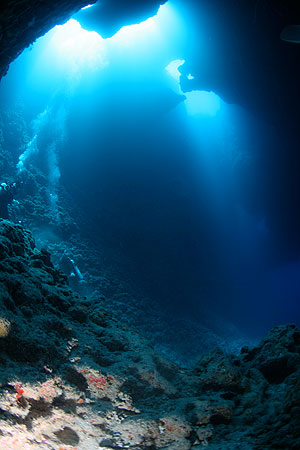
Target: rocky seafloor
{"points": [[73, 375]]}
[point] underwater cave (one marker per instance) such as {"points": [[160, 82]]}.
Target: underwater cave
{"points": [[149, 224]]}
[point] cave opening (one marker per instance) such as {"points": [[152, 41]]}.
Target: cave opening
{"points": [[158, 192]]}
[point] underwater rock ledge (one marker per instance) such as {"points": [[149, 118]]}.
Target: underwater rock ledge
{"points": [[74, 376]]}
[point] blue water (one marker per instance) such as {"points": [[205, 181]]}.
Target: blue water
{"points": [[178, 186]]}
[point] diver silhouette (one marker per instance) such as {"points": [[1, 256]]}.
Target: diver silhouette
{"points": [[70, 268], [7, 194]]}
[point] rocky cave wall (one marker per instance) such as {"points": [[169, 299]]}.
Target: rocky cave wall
{"points": [[241, 56], [22, 22]]}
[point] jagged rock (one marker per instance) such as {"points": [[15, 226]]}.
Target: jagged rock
{"points": [[278, 355], [218, 372], [204, 434], [67, 436]]}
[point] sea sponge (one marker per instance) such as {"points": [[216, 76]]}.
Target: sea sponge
{"points": [[4, 327]]}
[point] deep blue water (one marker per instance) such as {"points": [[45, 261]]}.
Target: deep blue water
{"points": [[181, 190]]}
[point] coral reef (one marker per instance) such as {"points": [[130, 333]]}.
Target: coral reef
{"points": [[74, 376]]}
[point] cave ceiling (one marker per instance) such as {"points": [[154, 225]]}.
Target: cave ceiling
{"points": [[247, 62]]}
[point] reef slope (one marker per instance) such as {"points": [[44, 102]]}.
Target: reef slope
{"points": [[74, 376]]}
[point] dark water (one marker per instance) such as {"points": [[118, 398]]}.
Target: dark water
{"points": [[190, 198]]}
